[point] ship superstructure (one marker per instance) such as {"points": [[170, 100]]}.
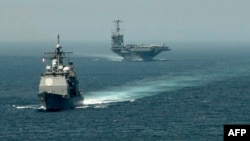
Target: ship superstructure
{"points": [[133, 52], [58, 87]]}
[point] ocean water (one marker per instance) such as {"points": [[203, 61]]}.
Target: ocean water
{"points": [[186, 94]]}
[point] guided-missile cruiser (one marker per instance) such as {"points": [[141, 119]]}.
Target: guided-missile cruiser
{"points": [[58, 87], [133, 52]]}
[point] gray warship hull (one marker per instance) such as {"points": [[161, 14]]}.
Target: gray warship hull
{"points": [[58, 88], [53, 102], [133, 52]]}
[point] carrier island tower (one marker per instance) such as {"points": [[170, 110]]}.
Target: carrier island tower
{"points": [[134, 52]]}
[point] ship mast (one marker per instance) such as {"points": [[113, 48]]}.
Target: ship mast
{"points": [[58, 47], [117, 22], [59, 55], [58, 39]]}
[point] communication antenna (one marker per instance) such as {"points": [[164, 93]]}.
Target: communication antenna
{"points": [[58, 42], [58, 39]]}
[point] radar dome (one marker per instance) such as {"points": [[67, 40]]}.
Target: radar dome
{"points": [[58, 46]]}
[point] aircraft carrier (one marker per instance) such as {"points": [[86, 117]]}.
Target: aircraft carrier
{"points": [[133, 52], [58, 87]]}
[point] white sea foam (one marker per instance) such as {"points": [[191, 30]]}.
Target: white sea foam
{"points": [[28, 107], [139, 89], [153, 86]]}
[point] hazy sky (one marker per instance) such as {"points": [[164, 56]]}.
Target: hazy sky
{"points": [[143, 20]]}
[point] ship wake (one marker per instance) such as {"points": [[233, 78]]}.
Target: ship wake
{"points": [[36, 107], [139, 89], [162, 84]]}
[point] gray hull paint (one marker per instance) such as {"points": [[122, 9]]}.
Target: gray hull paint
{"points": [[134, 52], [57, 102], [58, 88], [138, 55]]}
